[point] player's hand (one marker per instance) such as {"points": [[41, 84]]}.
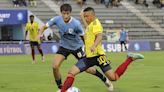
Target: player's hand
{"points": [[82, 13], [93, 48]]}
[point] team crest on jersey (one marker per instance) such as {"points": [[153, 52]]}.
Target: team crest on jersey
{"points": [[70, 30]]}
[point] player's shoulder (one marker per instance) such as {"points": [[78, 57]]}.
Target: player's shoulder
{"points": [[56, 18], [96, 22]]}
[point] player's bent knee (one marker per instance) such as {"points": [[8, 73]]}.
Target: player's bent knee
{"points": [[74, 70], [71, 73]]}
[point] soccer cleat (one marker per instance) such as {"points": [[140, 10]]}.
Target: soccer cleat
{"points": [[109, 84], [33, 61], [43, 59], [135, 56]]}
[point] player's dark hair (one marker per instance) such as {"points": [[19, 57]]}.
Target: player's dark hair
{"points": [[65, 7], [31, 16], [88, 9]]}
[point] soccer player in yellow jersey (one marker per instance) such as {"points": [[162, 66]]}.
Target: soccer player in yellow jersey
{"points": [[33, 27], [95, 54]]}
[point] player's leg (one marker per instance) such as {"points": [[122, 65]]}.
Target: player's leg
{"points": [[58, 59], [122, 68], [95, 72], [121, 43], [40, 51], [60, 56], [79, 54], [70, 78], [104, 64], [125, 46], [80, 66], [113, 76], [32, 52]]}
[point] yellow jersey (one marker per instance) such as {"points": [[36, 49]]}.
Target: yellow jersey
{"points": [[92, 30], [33, 30]]}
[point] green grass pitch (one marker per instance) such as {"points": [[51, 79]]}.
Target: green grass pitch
{"points": [[17, 74]]}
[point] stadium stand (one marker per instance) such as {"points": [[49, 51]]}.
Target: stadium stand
{"points": [[113, 18]]}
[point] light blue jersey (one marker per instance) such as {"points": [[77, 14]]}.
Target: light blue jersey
{"points": [[123, 35], [69, 32]]}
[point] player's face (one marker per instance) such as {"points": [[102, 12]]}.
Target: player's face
{"points": [[31, 19], [89, 16], [66, 16]]}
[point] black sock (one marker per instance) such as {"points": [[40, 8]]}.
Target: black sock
{"points": [[102, 77], [59, 83]]}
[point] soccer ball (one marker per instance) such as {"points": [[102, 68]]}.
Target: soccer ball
{"points": [[73, 89]]}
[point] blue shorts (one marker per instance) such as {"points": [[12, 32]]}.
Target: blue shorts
{"points": [[101, 61]]}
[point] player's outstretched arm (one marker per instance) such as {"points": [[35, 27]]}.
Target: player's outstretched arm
{"points": [[83, 19], [42, 29]]}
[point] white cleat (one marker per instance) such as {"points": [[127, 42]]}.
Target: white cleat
{"points": [[43, 59], [135, 56], [109, 84], [33, 61]]}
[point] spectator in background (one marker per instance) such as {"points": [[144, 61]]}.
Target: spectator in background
{"points": [[97, 1], [112, 3], [162, 3], [23, 3], [123, 38], [107, 2], [158, 3], [81, 2], [33, 3], [16, 3], [102, 1], [144, 2]]}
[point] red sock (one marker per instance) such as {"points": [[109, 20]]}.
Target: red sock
{"points": [[68, 83], [40, 51], [33, 54], [122, 68]]}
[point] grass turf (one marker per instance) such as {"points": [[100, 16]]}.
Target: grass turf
{"points": [[17, 74]]}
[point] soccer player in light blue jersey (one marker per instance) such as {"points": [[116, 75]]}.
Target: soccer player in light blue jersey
{"points": [[123, 38], [71, 31]]}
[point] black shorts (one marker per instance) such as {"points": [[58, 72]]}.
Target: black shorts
{"points": [[100, 61], [34, 43], [122, 42], [79, 53]]}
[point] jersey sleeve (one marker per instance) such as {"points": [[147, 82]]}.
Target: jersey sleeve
{"points": [[51, 22], [97, 28], [80, 30]]}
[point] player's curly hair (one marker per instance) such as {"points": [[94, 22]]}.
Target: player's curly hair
{"points": [[65, 7]]}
